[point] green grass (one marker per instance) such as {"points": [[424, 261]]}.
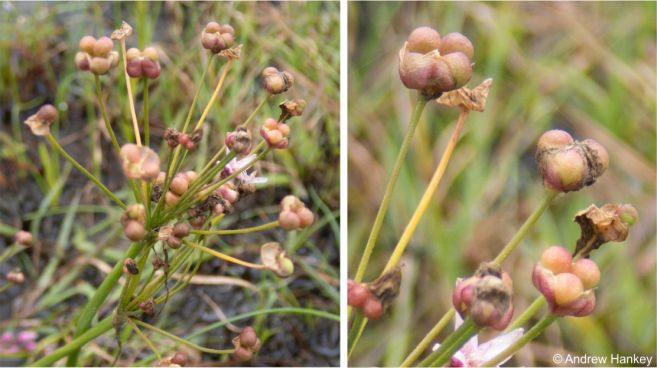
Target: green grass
{"points": [[79, 232], [586, 68]]}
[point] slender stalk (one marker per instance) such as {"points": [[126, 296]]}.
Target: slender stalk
{"points": [[92, 306], [214, 94], [378, 221], [451, 343], [103, 111], [245, 230], [181, 340], [245, 124], [72, 348], [225, 257], [213, 160], [144, 337], [356, 331], [147, 128], [428, 193], [84, 171], [527, 313], [190, 113], [524, 229], [11, 251], [518, 344], [430, 337], [133, 114]]}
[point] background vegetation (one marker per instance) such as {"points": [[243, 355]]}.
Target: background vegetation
{"points": [[80, 238], [588, 68]]}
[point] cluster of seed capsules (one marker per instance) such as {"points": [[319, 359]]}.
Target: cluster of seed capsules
{"points": [[568, 165], [246, 344], [96, 55], [360, 297], [486, 297], [567, 285], [433, 64], [144, 63], [294, 214]]}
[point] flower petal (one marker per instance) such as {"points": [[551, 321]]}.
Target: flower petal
{"points": [[491, 348]]}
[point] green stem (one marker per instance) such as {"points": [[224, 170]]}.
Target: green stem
{"points": [[223, 256], [72, 348], [253, 114], [356, 331], [451, 344], [11, 251], [103, 110], [378, 221], [518, 344], [92, 306], [181, 340], [527, 313], [428, 194], [84, 171], [131, 99], [245, 230], [524, 229], [430, 337], [147, 128], [144, 337]]}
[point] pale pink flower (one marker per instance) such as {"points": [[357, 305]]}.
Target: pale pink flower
{"points": [[238, 165]]}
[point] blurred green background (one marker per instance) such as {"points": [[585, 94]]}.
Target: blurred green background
{"points": [[587, 68], [78, 231]]}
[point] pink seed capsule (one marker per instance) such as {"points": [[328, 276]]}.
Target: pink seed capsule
{"points": [[306, 217], [248, 337], [134, 230], [557, 259], [588, 272], [212, 27], [103, 46], [567, 288], [357, 295], [243, 354], [151, 68], [171, 199], [131, 152], [179, 358], [289, 220], [372, 309], [99, 65], [24, 238], [87, 44], [456, 42], [423, 40], [134, 69], [554, 139], [179, 184], [151, 53]]}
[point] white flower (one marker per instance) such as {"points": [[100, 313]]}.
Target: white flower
{"points": [[238, 165], [472, 354]]}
